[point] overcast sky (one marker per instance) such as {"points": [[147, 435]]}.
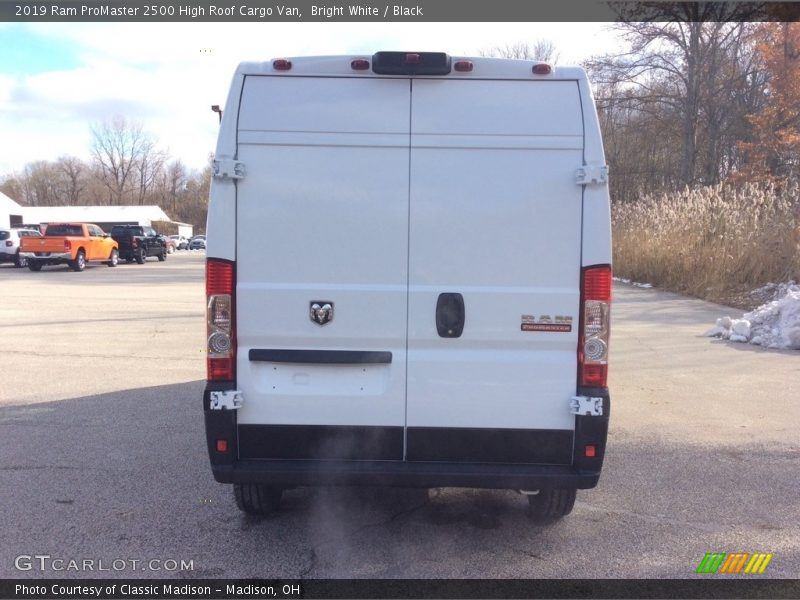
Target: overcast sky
{"points": [[57, 79]]}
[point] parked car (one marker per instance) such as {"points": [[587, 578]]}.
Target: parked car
{"points": [[181, 242], [137, 242], [198, 242], [72, 243], [10, 243], [172, 245]]}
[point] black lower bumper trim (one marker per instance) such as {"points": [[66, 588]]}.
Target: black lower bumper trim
{"points": [[320, 442], [289, 473], [489, 445]]}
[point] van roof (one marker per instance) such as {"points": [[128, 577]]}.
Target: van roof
{"points": [[483, 68]]}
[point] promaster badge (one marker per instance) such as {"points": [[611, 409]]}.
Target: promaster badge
{"points": [[558, 323]]}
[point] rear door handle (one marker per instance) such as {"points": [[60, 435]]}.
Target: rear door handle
{"points": [[450, 315]]}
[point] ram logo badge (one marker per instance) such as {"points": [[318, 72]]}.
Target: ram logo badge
{"points": [[321, 312]]}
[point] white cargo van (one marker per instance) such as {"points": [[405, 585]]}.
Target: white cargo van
{"points": [[408, 278]]}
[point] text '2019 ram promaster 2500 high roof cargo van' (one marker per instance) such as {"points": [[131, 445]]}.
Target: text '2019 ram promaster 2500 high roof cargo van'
{"points": [[408, 278]]}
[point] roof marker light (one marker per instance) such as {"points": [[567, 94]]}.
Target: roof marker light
{"points": [[463, 66], [281, 64], [542, 69], [413, 59], [359, 64]]}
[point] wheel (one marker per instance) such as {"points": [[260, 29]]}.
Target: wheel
{"points": [[170, 249], [113, 260], [162, 256], [142, 256], [35, 265], [20, 261], [79, 264], [257, 499], [551, 504]]}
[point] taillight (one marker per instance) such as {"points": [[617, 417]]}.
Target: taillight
{"points": [[67, 245], [221, 344], [9, 243], [595, 326]]}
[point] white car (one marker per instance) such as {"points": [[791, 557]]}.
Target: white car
{"points": [[181, 243], [9, 245]]}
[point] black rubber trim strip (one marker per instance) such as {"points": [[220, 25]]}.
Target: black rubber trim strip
{"points": [[321, 442], [324, 357], [485, 445]]}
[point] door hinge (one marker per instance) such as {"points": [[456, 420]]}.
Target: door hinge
{"points": [[584, 405], [228, 169], [594, 173], [227, 400]]}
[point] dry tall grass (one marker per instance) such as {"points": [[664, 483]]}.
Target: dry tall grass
{"points": [[715, 242]]}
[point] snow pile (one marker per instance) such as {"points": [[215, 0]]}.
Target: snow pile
{"points": [[772, 291], [775, 324], [634, 283]]}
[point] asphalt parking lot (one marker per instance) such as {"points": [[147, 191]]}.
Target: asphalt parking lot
{"points": [[102, 453]]}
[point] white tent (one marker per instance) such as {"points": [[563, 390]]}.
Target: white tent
{"points": [[8, 208]]}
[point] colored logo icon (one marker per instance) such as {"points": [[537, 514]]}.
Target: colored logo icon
{"points": [[735, 563]]}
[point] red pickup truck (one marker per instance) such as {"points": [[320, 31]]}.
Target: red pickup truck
{"points": [[72, 243]]}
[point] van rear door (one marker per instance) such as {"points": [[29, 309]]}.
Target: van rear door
{"points": [[322, 267], [495, 236]]}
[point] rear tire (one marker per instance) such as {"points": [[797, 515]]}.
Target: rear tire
{"points": [[142, 256], [162, 256], [551, 504], [79, 264], [257, 499], [113, 260], [35, 265], [170, 249], [20, 261]]}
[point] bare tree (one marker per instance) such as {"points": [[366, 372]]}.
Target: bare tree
{"points": [[149, 168], [543, 50], [686, 79], [40, 184], [73, 179], [12, 187], [175, 180], [118, 147]]}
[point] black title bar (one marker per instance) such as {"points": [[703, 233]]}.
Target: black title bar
{"points": [[208, 589], [285, 11]]}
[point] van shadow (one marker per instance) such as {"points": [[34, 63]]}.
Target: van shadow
{"points": [[125, 475]]}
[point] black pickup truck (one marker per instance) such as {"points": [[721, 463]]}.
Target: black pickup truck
{"points": [[137, 242]]}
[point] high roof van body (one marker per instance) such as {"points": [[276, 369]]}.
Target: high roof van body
{"points": [[408, 278]]}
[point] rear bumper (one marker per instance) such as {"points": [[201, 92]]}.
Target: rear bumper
{"points": [[280, 465], [52, 257], [285, 473]]}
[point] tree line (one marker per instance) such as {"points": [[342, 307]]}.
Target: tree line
{"points": [[690, 104], [686, 103], [126, 168]]}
